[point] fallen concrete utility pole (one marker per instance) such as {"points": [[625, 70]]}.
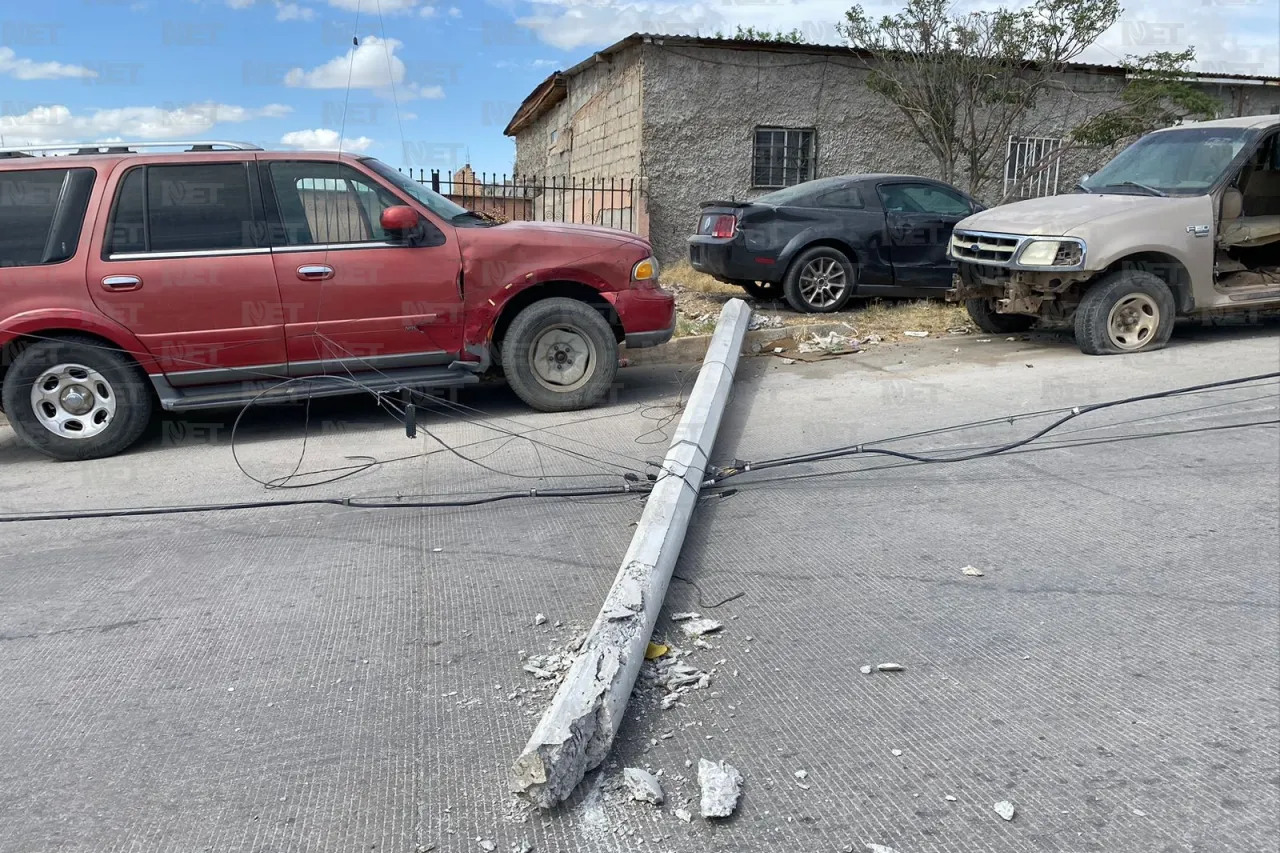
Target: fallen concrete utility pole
{"points": [[575, 733]]}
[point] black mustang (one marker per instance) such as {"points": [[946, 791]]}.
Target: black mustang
{"points": [[823, 242]]}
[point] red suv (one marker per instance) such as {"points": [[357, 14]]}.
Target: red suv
{"points": [[223, 273]]}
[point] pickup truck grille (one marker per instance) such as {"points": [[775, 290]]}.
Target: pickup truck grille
{"points": [[983, 248]]}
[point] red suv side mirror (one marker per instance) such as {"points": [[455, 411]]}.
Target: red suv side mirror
{"points": [[399, 219]]}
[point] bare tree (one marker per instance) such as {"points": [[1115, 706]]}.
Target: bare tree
{"points": [[964, 83]]}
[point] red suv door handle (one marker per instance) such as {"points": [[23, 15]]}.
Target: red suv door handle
{"points": [[315, 272], [121, 282]]}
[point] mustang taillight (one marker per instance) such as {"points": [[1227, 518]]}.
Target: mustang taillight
{"points": [[725, 226]]}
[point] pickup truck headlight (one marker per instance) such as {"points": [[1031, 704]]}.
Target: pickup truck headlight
{"points": [[646, 270], [1051, 253]]}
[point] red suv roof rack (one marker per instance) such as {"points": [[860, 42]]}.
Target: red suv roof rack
{"points": [[126, 147]]}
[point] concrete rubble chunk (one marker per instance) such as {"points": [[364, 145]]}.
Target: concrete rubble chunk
{"points": [[721, 784], [972, 571], [700, 627], [890, 667], [865, 670], [1005, 809], [802, 774], [539, 619], [896, 752], [949, 798], [488, 846], [684, 815], [880, 848], [643, 786], [684, 617], [522, 847]]}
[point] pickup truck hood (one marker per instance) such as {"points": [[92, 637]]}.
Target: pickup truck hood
{"points": [[1058, 215]]}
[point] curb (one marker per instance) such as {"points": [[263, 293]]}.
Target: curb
{"points": [[694, 349]]}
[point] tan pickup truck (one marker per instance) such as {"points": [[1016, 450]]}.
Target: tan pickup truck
{"points": [[1183, 222]]}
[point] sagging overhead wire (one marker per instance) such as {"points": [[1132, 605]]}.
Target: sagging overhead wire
{"points": [[738, 468], [630, 488], [348, 502]]}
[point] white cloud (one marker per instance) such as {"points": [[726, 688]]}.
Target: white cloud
{"points": [[428, 11], [388, 7], [372, 65], [293, 12], [455, 12], [57, 123], [323, 139], [240, 4], [26, 69]]}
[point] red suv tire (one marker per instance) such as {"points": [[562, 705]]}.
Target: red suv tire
{"points": [[76, 398]]}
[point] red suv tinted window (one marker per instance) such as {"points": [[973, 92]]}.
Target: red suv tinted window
{"points": [[41, 213], [196, 207]]}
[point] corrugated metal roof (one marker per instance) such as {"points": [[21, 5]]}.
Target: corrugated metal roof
{"points": [[533, 107]]}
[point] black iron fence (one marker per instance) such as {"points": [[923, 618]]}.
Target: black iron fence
{"points": [[611, 202]]}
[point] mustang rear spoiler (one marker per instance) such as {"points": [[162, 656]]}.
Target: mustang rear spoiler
{"points": [[724, 204]]}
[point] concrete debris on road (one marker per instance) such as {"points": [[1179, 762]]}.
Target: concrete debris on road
{"points": [[890, 667], [721, 784], [487, 846], [700, 627], [880, 848], [896, 752], [802, 774], [916, 334], [673, 677], [539, 619], [643, 786], [683, 617], [865, 670], [684, 815], [949, 798], [1005, 809], [832, 343], [765, 321], [522, 847], [971, 571]]}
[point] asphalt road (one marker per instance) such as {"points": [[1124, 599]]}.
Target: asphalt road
{"points": [[319, 678]]}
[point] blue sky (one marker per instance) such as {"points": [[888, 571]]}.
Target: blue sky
{"points": [[275, 72]]}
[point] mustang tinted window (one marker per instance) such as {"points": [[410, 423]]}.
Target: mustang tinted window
{"points": [[41, 213], [923, 198], [845, 197]]}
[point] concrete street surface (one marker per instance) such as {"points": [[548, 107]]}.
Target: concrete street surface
{"points": [[327, 678]]}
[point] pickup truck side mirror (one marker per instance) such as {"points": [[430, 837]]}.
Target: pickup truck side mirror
{"points": [[402, 224]]}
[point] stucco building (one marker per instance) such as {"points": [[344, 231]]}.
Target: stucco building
{"points": [[701, 118]]}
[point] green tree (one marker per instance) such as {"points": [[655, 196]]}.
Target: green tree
{"points": [[965, 82], [752, 34]]}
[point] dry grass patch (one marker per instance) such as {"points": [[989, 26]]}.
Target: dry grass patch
{"points": [[699, 298], [682, 276]]}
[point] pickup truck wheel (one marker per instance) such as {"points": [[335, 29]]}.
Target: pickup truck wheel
{"points": [[985, 317], [819, 281], [73, 398], [1127, 311], [762, 290], [560, 354]]}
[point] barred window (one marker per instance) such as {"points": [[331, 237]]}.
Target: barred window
{"points": [[1031, 166], [783, 157]]}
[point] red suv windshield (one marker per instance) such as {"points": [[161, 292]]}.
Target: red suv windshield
{"points": [[436, 203]]}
